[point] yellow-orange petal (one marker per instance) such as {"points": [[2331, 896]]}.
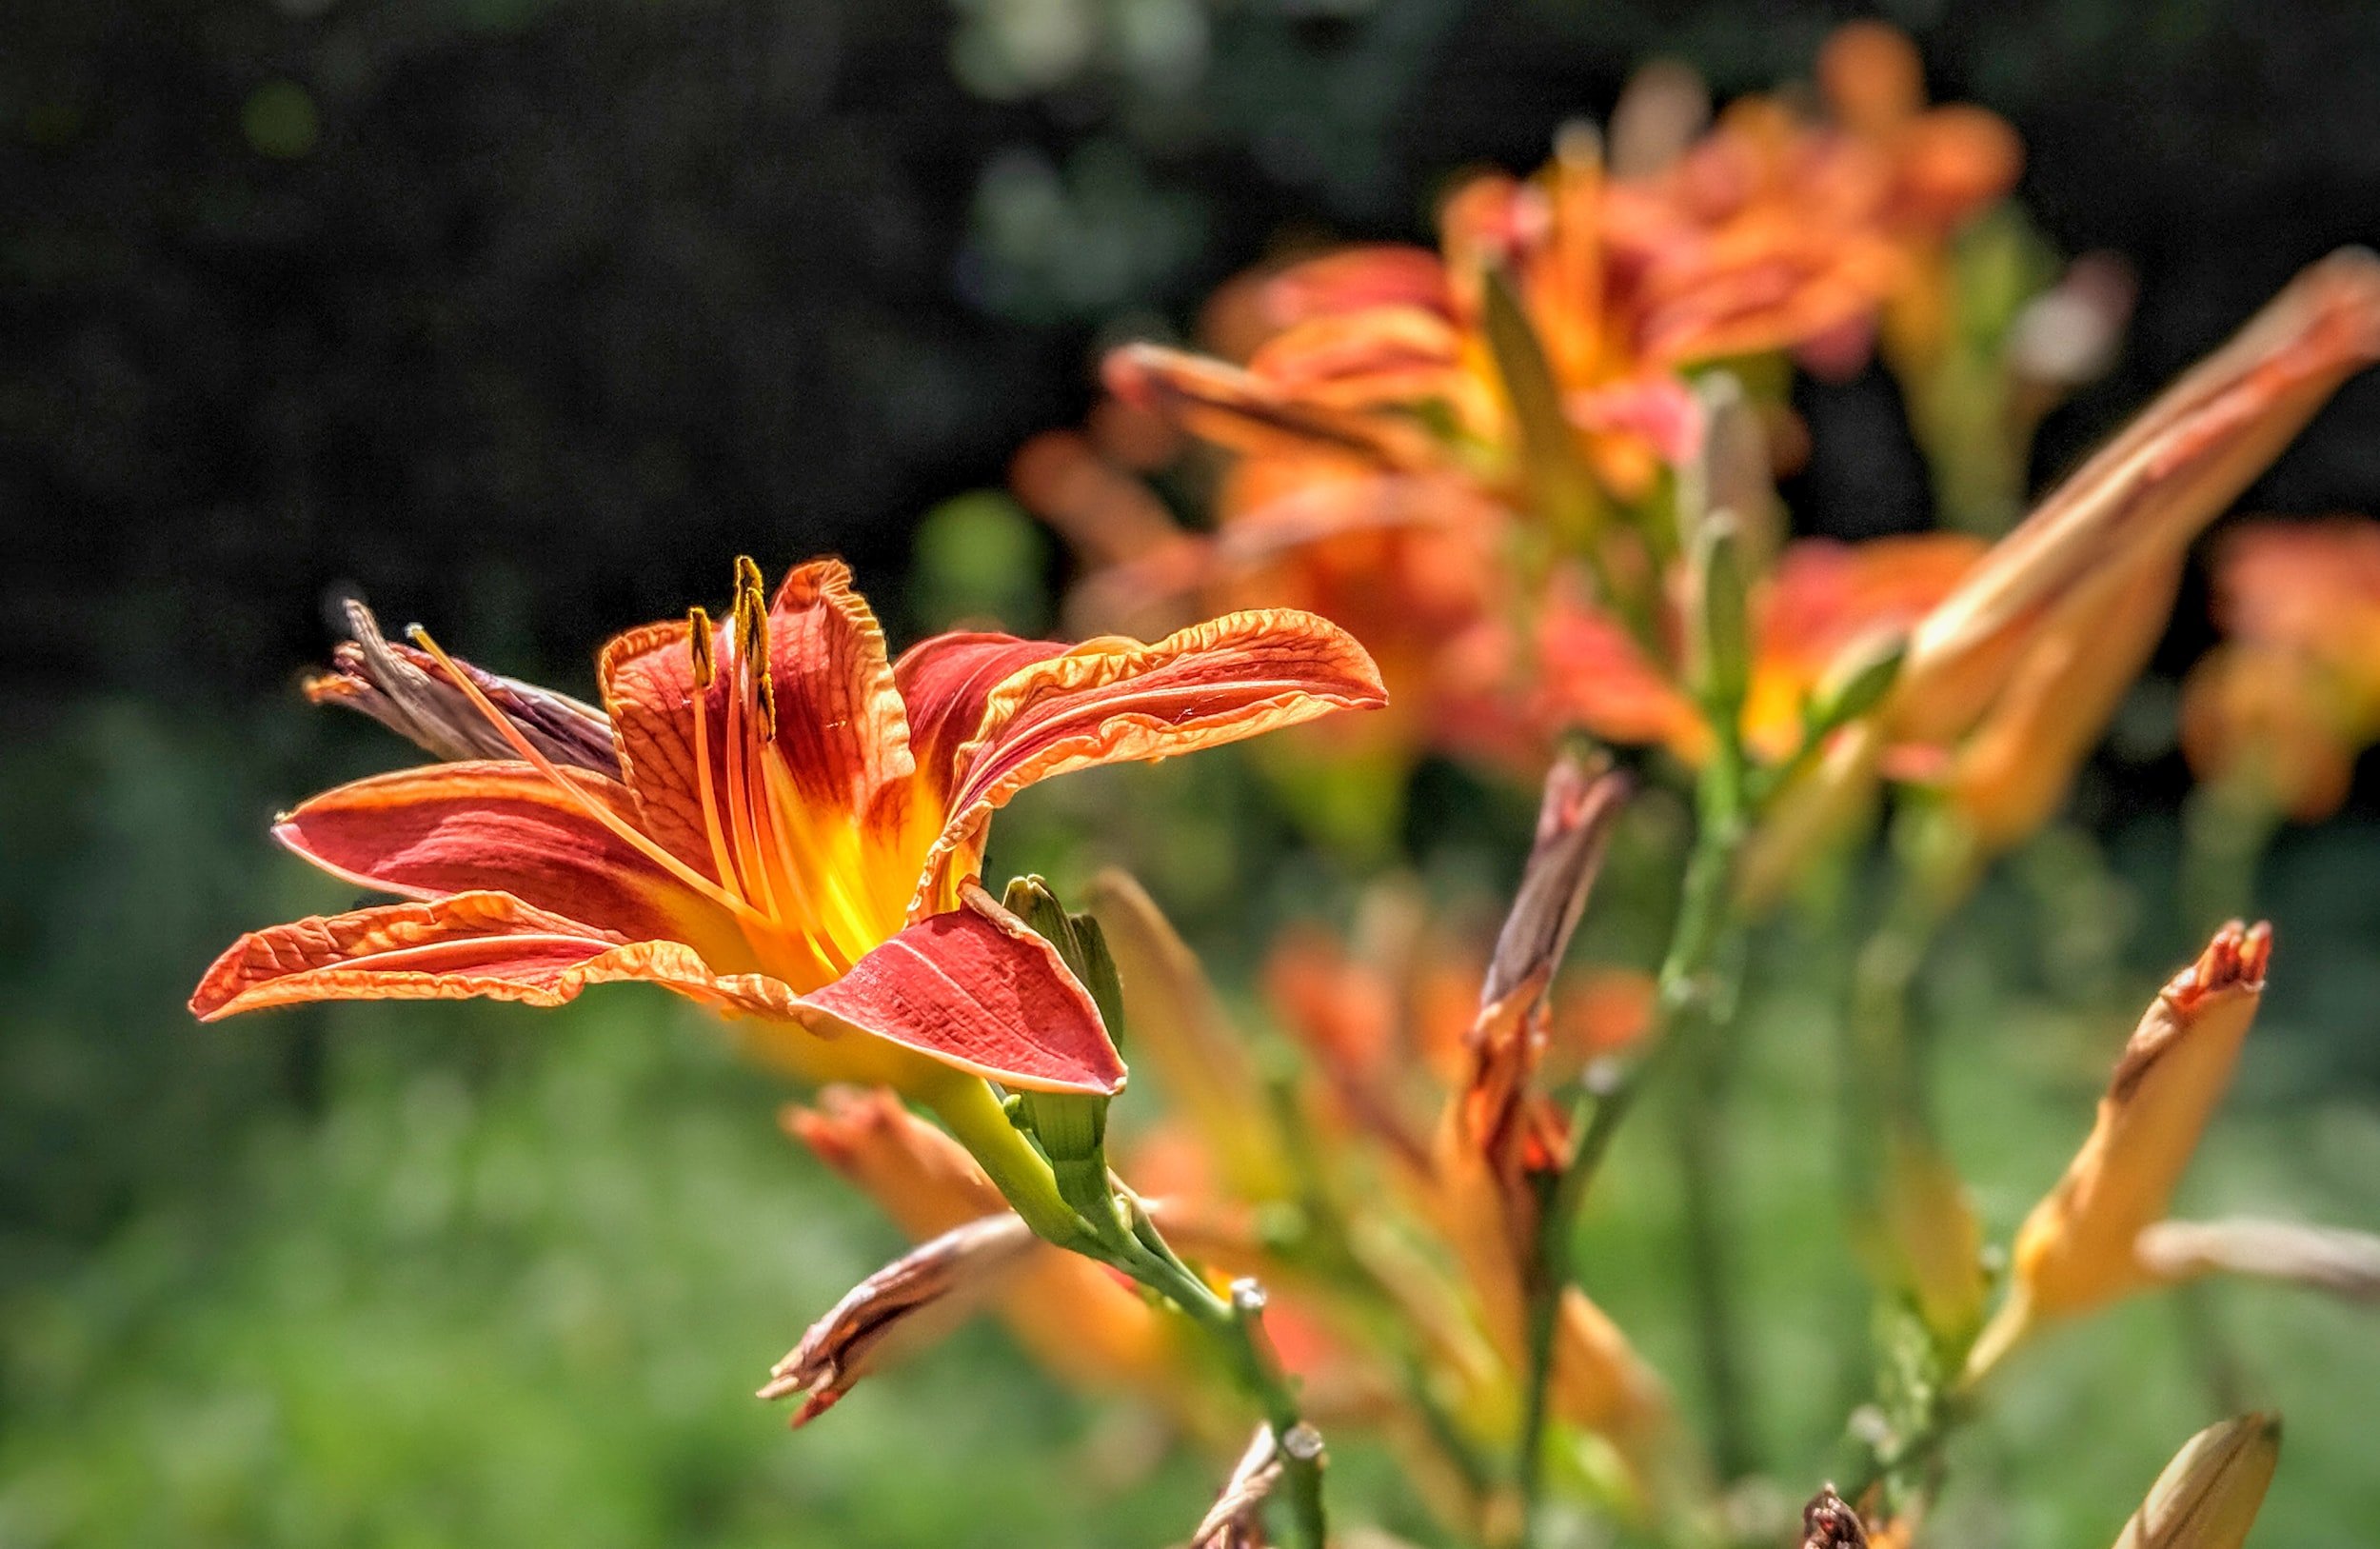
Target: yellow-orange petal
{"points": [[2017, 765], [1381, 358], [1354, 280], [2271, 719], [2149, 491], [1114, 701]]}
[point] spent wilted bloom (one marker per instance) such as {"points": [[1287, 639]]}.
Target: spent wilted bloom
{"points": [[1075, 1317], [2207, 1496], [1829, 1522], [1237, 1519], [1500, 1138], [908, 1304], [2292, 696], [2079, 1248], [785, 829]]}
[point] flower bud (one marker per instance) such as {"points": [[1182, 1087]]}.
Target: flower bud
{"points": [[2207, 1496], [2076, 1250]]}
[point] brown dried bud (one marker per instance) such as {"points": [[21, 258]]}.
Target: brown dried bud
{"points": [[914, 1299], [1830, 1522]]}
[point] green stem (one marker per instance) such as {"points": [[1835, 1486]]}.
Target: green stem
{"points": [[1235, 1324], [972, 1112], [1698, 1134], [1125, 1239]]}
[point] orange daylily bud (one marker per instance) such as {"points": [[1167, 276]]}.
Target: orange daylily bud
{"points": [[910, 1303], [1870, 77], [1931, 1236], [1663, 106], [2149, 493], [2078, 1249], [2207, 1496], [1179, 1029], [2012, 773]]}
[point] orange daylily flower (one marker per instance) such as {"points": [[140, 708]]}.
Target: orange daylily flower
{"points": [[2293, 695], [2079, 1248], [784, 827], [1625, 284], [1824, 603], [1939, 167]]}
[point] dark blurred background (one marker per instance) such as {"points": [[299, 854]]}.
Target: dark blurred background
{"points": [[524, 317]]}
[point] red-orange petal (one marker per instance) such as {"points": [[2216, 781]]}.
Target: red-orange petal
{"points": [[975, 989], [448, 828], [1356, 279], [839, 717], [945, 680], [1237, 409], [1114, 701]]}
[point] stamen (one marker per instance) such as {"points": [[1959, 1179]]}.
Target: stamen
{"points": [[750, 855], [699, 646], [600, 813], [752, 642], [705, 669]]}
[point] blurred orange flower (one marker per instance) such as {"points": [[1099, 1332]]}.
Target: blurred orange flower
{"points": [[2293, 695], [1823, 604]]}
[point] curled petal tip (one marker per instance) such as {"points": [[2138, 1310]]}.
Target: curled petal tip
{"points": [[2236, 958]]}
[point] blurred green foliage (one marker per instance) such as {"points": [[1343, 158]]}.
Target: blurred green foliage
{"points": [[527, 315]]}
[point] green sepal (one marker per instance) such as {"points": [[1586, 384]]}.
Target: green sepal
{"points": [[1853, 686], [1071, 1127]]}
